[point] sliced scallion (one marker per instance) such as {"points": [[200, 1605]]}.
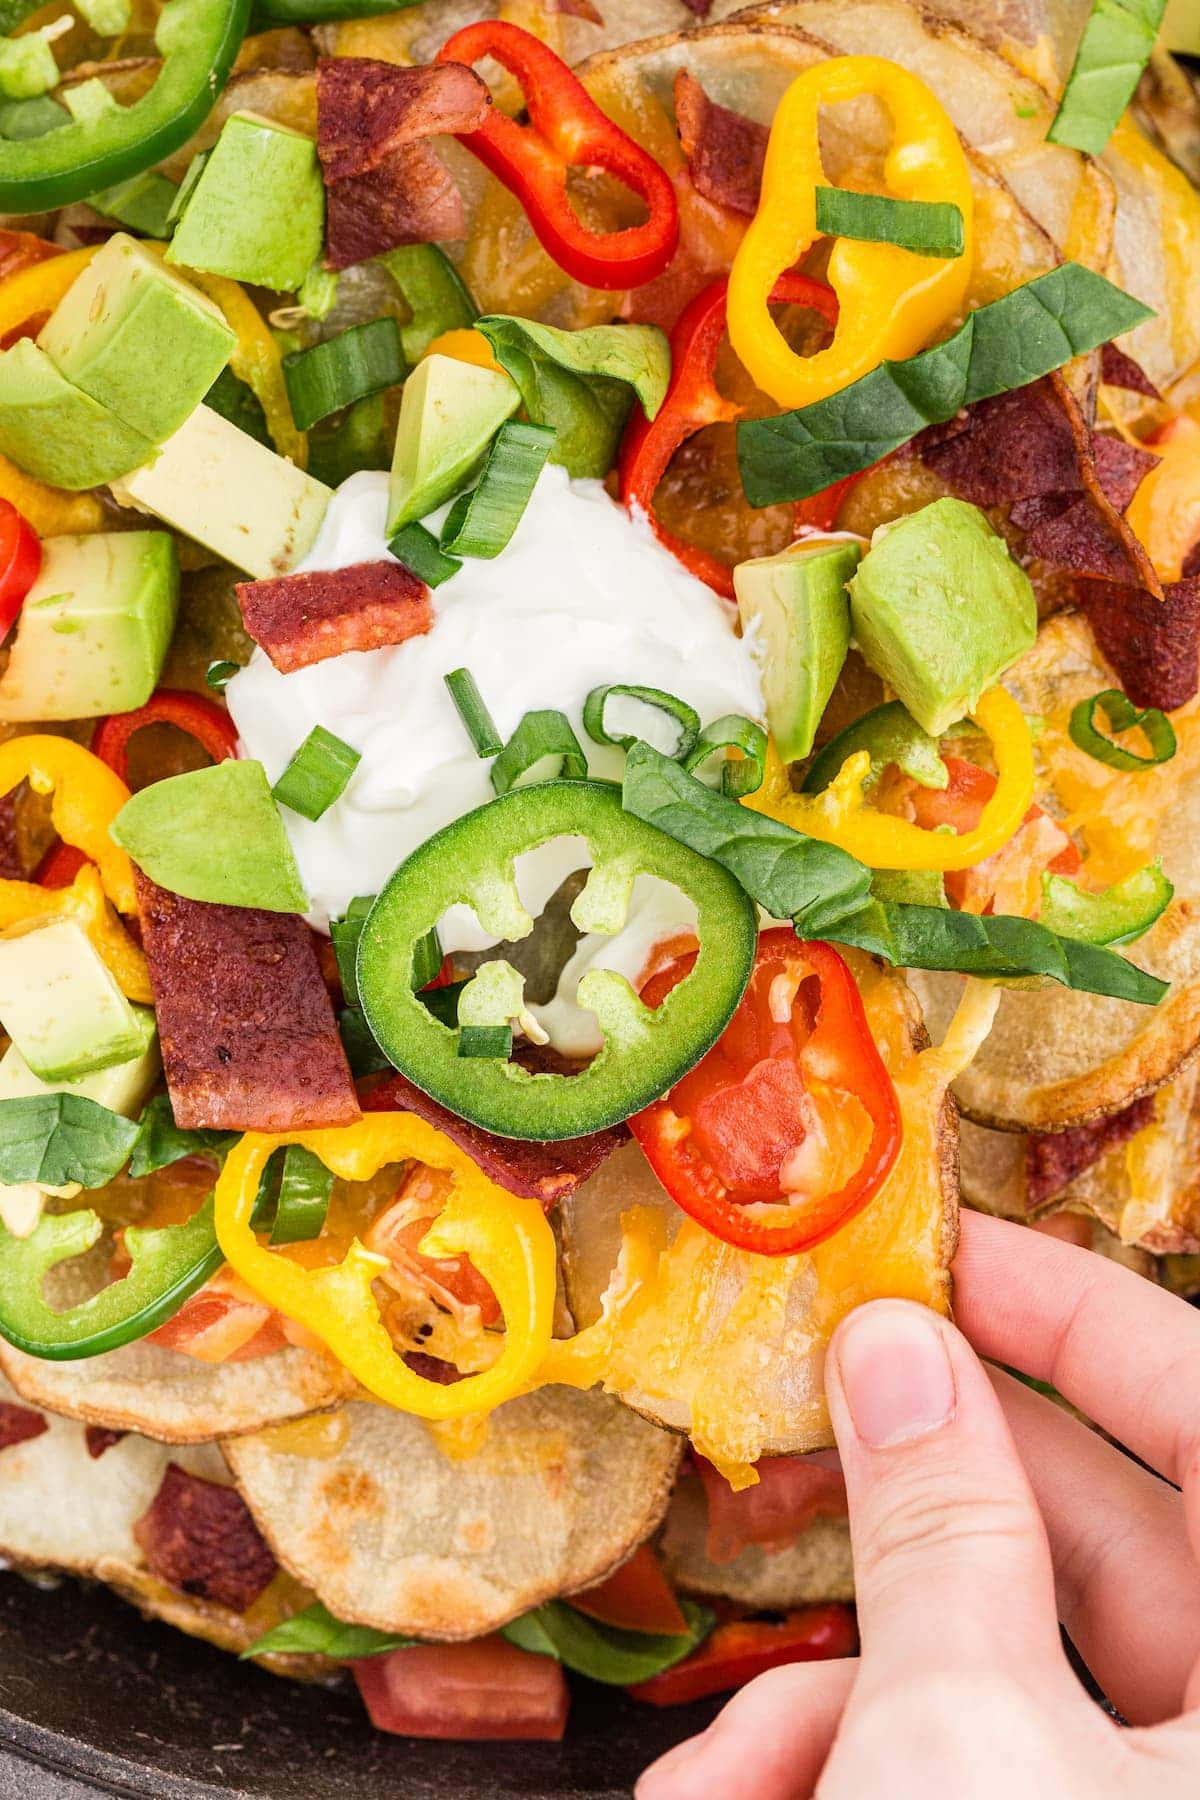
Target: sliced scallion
{"points": [[360, 361], [741, 774], [482, 522], [317, 775], [928, 227], [685, 718], [419, 551], [345, 933], [485, 1040], [542, 748], [1121, 715], [427, 959], [475, 716], [304, 1189], [218, 675], [442, 1002]]}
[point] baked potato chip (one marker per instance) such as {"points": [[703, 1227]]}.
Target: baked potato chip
{"points": [[816, 1567]]}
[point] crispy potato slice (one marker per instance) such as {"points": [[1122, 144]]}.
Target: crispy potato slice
{"points": [[396, 1531], [1057, 1058], [729, 1346], [816, 1567]]}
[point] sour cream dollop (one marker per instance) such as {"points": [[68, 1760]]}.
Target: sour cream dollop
{"points": [[581, 596]]}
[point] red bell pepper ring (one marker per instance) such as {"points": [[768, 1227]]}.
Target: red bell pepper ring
{"points": [[691, 403], [737, 1652], [819, 512], [20, 563], [567, 129], [741, 1143], [59, 867], [212, 728]]}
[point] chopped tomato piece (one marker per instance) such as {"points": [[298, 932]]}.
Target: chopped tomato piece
{"points": [[790, 1123], [635, 1597], [1002, 881], [484, 1689], [20, 562], [223, 1322], [736, 1653], [452, 1282], [791, 1491]]}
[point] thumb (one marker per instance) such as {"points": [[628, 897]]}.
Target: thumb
{"points": [[951, 1563]]}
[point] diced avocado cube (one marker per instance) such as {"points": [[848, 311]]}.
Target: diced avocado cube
{"points": [[215, 835], [257, 213], [95, 627], [939, 609], [52, 429], [215, 484], [138, 338], [123, 1087], [61, 1006], [449, 413], [796, 616], [143, 203]]}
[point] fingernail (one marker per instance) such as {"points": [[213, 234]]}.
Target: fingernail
{"points": [[895, 1374]]}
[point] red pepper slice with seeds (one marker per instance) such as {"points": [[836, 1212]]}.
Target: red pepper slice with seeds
{"points": [[211, 727], [567, 130]]}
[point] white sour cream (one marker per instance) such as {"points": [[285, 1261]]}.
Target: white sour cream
{"points": [[580, 597]]}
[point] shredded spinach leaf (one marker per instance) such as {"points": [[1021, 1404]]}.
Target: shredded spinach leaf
{"points": [[1113, 51], [315, 1632]]}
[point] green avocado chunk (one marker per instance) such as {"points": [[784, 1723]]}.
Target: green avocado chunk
{"points": [[53, 430], [214, 835], [137, 338], [257, 212], [940, 609], [449, 413], [62, 1008], [94, 630], [795, 612]]}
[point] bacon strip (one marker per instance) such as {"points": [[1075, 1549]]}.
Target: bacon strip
{"points": [[19, 1423], [249, 1041], [303, 619], [1054, 1158], [199, 1537], [1120, 371], [385, 185], [790, 1493], [99, 1439], [545, 1172], [725, 151], [1154, 645]]}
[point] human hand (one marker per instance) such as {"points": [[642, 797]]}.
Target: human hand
{"points": [[980, 1514]]}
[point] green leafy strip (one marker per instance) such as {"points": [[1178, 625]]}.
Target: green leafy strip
{"points": [[926, 227], [1006, 344], [56, 1139], [315, 1632], [1113, 51], [828, 893], [160, 1142]]}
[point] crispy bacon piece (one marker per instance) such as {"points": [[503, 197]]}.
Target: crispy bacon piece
{"points": [[701, 8], [385, 184], [545, 1172], [249, 1041], [302, 619], [724, 150], [581, 9], [11, 866], [790, 1493], [1154, 645], [1054, 1158], [99, 1439], [199, 1537], [19, 1423], [1120, 371]]}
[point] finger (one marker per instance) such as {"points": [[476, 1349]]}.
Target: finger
{"points": [[769, 1743], [1120, 1349], [1128, 1587], [952, 1567]]}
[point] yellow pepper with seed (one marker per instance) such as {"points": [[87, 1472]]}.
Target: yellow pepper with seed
{"points": [[841, 816], [891, 301], [505, 1236]]}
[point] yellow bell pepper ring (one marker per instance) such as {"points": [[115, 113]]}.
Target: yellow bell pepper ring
{"points": [[87, 798], [841, 816], [505, 1236], [891, 301], [24, 903]]}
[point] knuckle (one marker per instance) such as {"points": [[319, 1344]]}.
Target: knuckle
{"points": [[917, 1524]]}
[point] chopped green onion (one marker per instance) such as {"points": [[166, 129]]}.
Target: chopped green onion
{"points": [[442, 1002], [427, 959], [345, 933], [304, 1190], [482, 522], [542, 748], [359, 440], [107, 18], [1113, 51], [262, 1214], [740, 775], [20, 119], [434, 293], [474, 714], [236, 401], [143, 203], [317, 774], [187, 187], [928, 227], [360, 361], [220, 674], [1122, 715], [485, 1040], [418, 550], [362, 1052], [685, 718]]}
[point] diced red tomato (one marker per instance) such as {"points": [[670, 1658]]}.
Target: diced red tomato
{"points": [[736, 1653], [452, 1282], [1038, 845], [20, 562], [485, 1689], [224, 1322], [790, 1493], [635, 1597]]}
